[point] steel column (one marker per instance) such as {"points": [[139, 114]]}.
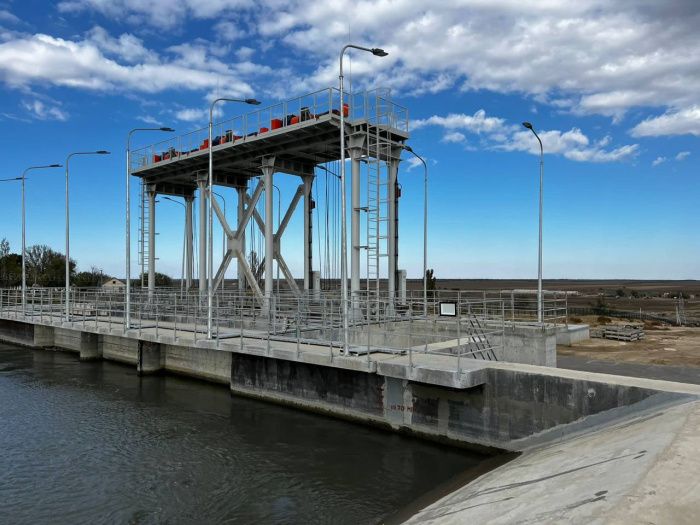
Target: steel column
{"points": [[151, 240], [189, 252], [308, 236], [202, 185], [268, 169], [392, 227], [242, 195], [355, 153]]}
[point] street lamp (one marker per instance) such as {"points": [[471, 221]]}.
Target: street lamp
{"points": [[425, 227], [540, 310], [184, 242], [344, 233], [127, 308], [210, 244], [98, 152]]}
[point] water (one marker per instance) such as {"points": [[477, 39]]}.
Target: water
{"points": [[95, 443]]}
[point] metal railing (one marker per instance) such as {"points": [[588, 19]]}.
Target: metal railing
{"points": [[284, 322], [297, 111]]}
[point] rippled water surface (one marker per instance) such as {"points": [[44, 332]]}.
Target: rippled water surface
{"points": [[95, 443]]}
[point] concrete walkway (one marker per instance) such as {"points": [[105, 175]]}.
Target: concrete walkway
{"points": [[681, 374], [641, 471]]}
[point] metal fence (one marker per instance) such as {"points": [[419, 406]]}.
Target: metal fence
{"points": [[378, 328]]}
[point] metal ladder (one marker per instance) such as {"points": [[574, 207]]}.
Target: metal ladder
{"points": [[377, 146], [143, 234]]}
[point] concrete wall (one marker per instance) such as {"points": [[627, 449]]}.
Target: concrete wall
{"points": [[120, 349], [572, 334], [527, 345], [212, 365], [504, 413]]}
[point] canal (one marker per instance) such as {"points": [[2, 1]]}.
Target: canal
{"points": [[95, 443]]}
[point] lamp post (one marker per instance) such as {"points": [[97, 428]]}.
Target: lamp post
{"points": [[343, 212], [210, 244], [184, 242], [425, 227], [540, 310], [127, 307], [98, 152]]}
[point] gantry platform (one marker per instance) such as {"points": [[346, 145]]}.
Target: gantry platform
{"points": [[299, 133]]}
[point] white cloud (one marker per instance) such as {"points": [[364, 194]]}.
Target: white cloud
{"points": [[476, 123], [43, 59], [682, 155], [681, 122], [157, 13], [658, 160], [148, 119], [495, 133], [414, 162], [228, 31], [192, 115], [454, 136], [41, 111], [6, 16]]}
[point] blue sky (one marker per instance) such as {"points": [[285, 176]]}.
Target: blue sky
{"points": [[613, 89]]}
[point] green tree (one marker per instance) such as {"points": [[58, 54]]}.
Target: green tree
{"points": [[94, 277]]}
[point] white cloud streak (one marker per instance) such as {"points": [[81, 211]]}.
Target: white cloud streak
{"points": [[495, 133]]}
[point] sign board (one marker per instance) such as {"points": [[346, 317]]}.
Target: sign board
{"points": [[448, 309]]}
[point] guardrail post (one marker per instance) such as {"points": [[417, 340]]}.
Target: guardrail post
{"points": [[459, 333]]}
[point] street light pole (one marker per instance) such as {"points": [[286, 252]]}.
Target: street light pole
{"points": [[210, 190], [127, 307], [425, 227], [540, 309], [343, 212], [99, 152]]}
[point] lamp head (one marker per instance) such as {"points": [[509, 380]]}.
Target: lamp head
{"points": [[379, 52], [102, 152], [407, 148], [167, 129], [527, 125], [252, 101], [55, 165]]}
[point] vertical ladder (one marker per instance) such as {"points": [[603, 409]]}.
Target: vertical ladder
{"points": [[377, 145], [143, 234]]}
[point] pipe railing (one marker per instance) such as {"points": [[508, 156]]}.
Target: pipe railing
{"points": [[305, 323]]}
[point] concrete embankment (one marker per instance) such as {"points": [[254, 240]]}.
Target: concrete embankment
{"points": [[540, 411]]}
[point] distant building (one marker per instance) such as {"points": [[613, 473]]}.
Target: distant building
{"points": [[114, 285]]}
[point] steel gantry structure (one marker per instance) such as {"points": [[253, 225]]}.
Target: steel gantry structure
{"points": [[295, 138]]}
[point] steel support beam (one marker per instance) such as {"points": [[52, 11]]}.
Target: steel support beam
{"points": [[392, 250], [151, 240], [189, 252], [355, 146], [202, 185], [268, 169], [308, 233], [242, 197]]}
